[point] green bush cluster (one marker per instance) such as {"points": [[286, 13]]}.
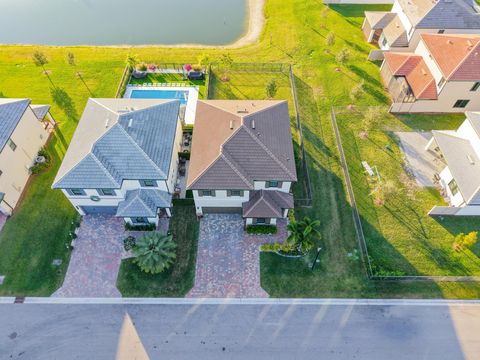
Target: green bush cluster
{"points": [[261, 229], [129, 243], [40, 167]]}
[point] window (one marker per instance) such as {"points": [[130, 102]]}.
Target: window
{"points": [[1, 172], [260, 221], [475, 86], [453, 187], [461, 103], [12, 145], [76, 192], [273, 184], [235, 193], [384, 42], [139, 220], [206, 192], [106, 192], [441, 31], [148, 183]]}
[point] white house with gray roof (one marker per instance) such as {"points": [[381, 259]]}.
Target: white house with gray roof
{"points": [[460, 179], [242, 159], [23, 132], [123, 159], [399, 29]]}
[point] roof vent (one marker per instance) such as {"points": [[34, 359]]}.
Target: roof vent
{"points": [[130, 123], [231, 124], [424, 72], [449, 41], [469, 43], [244, 111], [470, 159], [253, 124], [106, 122]]}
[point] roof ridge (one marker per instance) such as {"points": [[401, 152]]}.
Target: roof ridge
{"points": [[267, 150], [140, 149], [165, 102], [235, 168], [463, 60], [267, 201], [104, 106], [274, 104], [137, 197]]}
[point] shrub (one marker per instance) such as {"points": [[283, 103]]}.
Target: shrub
{"points": [[357, 90], [330, 40], [154, 252], [188, 128], [261, 229], [146, 227], [196, 67], [40, 167], [462, 240], [271, 89], [129, 243], [152, 67], [141, 67], [343, 56], [184, 155]]}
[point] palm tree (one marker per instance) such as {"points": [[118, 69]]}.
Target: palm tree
{"points": [[72, 63], [302, 233], [131, 61], [154, 252]]}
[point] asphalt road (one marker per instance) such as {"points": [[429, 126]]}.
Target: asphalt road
{"points": [[39, 331]]}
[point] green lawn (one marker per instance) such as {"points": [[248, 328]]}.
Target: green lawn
{"points": [[177, 280], [173, 78], [402, 239], [295, 33]]}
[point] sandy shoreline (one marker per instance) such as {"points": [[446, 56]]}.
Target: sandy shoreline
{"points": [[256, 20]]}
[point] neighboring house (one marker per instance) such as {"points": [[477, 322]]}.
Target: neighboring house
{"points": [[242, 159], [460, 179], [22, 134], [123, 159], [400, 29], [442, 75]]}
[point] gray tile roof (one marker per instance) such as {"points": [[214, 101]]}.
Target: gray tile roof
{"points": [[40, 110], [143, 203], [267, 204], [462, 160], [11, 111], [120, 139], [441, 14], [254, 144]]}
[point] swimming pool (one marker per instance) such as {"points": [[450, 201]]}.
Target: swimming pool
{"points": [[161, 94]]}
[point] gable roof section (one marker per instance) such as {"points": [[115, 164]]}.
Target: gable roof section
{"points": [[143, 203], [40, 111], [416, 10], [11, 111], [415, 71], [238, 142], [379, 19], [462, 160], [457, 56], [119, 139], [452, 14], [267, 203], [395, 32]]}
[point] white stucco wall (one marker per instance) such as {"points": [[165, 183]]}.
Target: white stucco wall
{"points": [[467, 131], [219, 200], [445, 178], [29, 136]]}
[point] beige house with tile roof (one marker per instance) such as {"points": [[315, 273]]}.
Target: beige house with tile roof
{"points": [[442, 75], [242, 159]]}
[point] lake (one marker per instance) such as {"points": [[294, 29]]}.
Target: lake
{"points": [[119, 22]]}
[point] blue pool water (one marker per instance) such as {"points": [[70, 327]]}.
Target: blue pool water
{"points": [[161, 94]]}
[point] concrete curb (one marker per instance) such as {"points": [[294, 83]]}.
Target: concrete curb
{"points": [[241, 301]]}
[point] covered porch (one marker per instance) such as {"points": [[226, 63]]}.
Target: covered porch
{"points": [[266, 206]]}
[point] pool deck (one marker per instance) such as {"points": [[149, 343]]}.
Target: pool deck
{"points": [[191, 106]]}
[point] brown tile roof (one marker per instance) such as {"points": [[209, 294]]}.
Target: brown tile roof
{"points": [[267, 204], [415, 71], [236, 142], [457, 56]]}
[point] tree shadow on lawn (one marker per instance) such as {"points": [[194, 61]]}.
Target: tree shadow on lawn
{"points": [[61, 98], [372, 85]]}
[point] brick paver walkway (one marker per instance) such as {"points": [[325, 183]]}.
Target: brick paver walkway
{"points": [[95, 261], [228, 263]]}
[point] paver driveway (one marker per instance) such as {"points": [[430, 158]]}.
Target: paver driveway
{"points": [[228, 263], [96, 259]]}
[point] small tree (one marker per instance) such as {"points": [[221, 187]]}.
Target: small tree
{"points": [[39, 59], [203, 60], [384, 191], [462, 240], [357, 90], [343, 56], [226, 61], [131, 61], [154, 252], [71, 59], [330, 39], [72, 63], [271, 89], [370, 120]]}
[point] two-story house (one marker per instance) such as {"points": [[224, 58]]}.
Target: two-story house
{"points": [[242, 159], [460, 178], [22, 134], [442, 75], [123, 159], [400, 29]]}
